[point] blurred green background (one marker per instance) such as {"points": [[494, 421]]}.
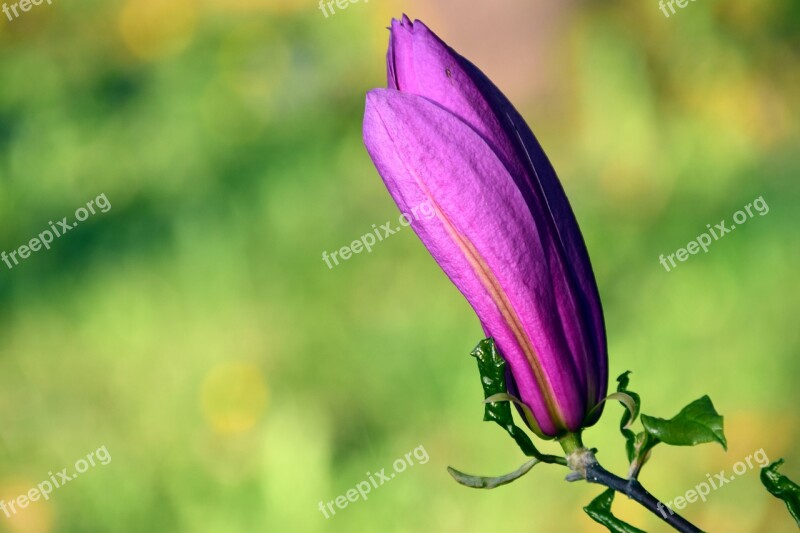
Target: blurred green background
{"points": [[236, 381]]}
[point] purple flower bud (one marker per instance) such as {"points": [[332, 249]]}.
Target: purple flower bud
{"points": [[504, 231]]}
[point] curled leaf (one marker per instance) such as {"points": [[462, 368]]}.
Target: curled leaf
{"points": [[492, 369], [625, 399], [600, 511], [482, 482], [505, 397], [782, 488], [628, 417]]}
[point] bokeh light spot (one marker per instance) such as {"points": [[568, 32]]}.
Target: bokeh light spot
{"points": [[154, 28], [35, 517], [233, 396]]}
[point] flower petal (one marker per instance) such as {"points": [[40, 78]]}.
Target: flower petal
{"points": [[422, 64], [485, 239]]}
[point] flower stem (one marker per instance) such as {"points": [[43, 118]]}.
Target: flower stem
{"points": [[585, 466], [635, 491], [571, 442]]}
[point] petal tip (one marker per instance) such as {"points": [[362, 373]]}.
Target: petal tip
{"points": [[375, 96]]}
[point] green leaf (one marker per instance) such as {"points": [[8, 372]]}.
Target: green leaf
{"points": [[782, 488], [492, 368], [481, 482], [642, 444], [628, 417], [697, 423], [600, 511]]}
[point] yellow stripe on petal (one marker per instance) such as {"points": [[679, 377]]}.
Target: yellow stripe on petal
{"points": [[498, 295]]}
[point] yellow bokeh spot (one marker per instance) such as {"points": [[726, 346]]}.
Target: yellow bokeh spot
{"points": [[269, 6], [233, 397], [154, 28], [35, 517]]}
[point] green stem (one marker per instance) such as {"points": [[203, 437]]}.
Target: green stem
{"points": [[570, 443], [584, 465]]}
